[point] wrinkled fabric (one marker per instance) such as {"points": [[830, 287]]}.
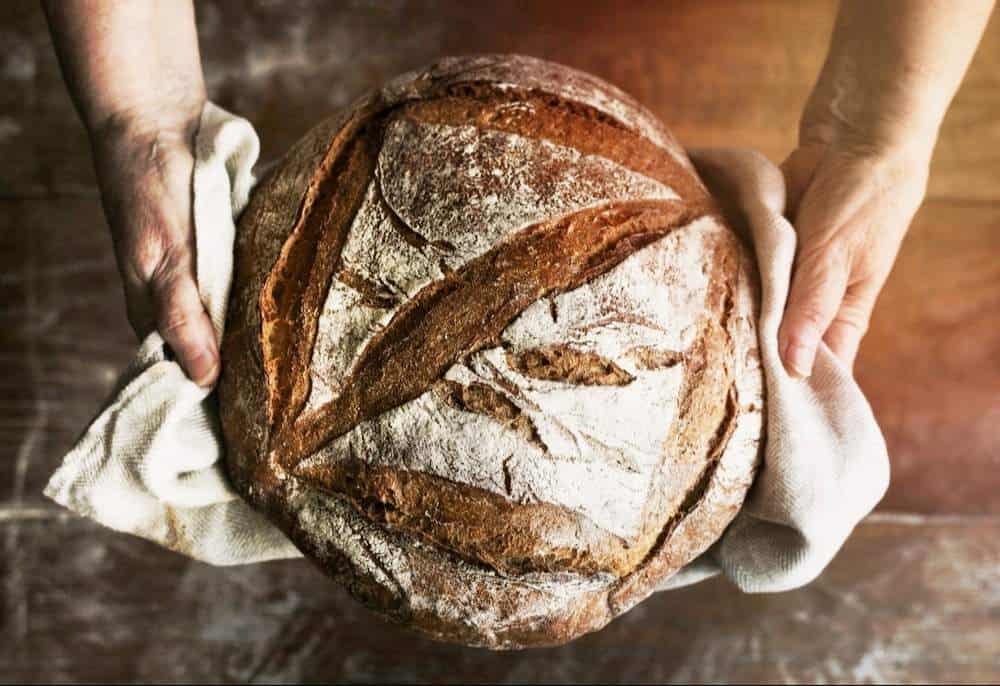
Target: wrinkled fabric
{"points": [[825, 463], [151, 464]]}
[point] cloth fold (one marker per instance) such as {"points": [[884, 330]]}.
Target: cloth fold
{"points": [[151, 463], [825, 461]]}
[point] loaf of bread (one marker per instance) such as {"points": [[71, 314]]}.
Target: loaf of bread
{"points": [[491, 358]]}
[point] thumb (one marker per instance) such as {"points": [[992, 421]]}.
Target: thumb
{"points": [[185, 326], [798, 170], [817, 289]]}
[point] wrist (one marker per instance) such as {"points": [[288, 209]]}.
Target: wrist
{"points": [[866, 113], [878, 132], [174, 122]]}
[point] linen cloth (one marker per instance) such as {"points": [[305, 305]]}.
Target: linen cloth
{"points": [[151, 464]]}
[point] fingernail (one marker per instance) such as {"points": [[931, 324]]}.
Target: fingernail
{"points": [[798, 360], [208, 380], [204, 368]]}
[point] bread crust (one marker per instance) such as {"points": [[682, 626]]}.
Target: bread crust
{"points": [[460, 555]]}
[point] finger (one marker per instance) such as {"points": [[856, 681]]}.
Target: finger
{"points": [[185, 326], [817, 290], [849, 326]]}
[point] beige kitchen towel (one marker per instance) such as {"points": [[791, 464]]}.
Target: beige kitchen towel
{"points": [[825, 462], [151, 463]]}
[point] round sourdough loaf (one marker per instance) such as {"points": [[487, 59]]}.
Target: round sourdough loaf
{"points": [[491, 357]]}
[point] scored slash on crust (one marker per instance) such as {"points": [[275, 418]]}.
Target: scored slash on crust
{"points": [[464, 311]]}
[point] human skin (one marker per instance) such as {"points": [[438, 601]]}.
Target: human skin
{"points": [[855, 179], [134, 72], [860, 169]]}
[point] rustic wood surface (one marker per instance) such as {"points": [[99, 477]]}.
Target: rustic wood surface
{"points": [[915, 595]]}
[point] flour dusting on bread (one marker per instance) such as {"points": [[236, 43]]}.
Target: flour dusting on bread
{"points": [[491, 358]]}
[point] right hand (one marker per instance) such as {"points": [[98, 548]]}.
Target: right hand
{"points": [[145, 174], [851, 207]]}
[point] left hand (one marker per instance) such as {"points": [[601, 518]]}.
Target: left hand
{"points": [[851, 205], [145, 167]]}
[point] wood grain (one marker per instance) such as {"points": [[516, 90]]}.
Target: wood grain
{"points": [[930, 364], [63, 333], [907, 600], [910, 599]]}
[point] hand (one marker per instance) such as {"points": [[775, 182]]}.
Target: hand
{"points": [[145, 171], [860, 170], [851, 206]]}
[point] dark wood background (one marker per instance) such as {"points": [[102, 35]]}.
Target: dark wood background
{"points": [[914, 596]]}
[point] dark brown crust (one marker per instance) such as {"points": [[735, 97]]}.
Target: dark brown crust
{"points": [[267, 353], [563, 363], [463, 519], [702, 433], [372, 295], [294, 292], [429, 569], [456, 316], [648, 358], [549, 117], [292, 296], [262, 231], [481, 399]]}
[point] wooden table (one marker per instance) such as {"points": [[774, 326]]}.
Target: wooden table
{"points": [[914, 596]]}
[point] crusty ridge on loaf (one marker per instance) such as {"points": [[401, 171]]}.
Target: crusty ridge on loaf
{"points": [[296, 286], [523, 569]]}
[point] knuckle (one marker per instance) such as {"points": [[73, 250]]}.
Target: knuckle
{"points": [[138, 307], [855, 317], [171, 280], [172, 321], [174, 263], [152, 254], [814, 304], [859, 328], [812, 316], [144, 255], [174, 317]]}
